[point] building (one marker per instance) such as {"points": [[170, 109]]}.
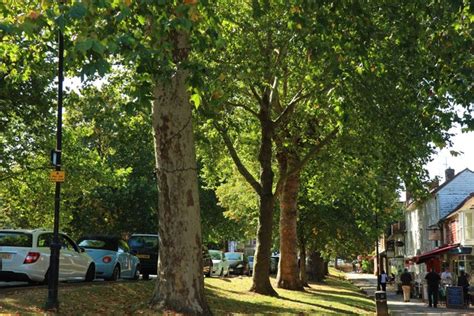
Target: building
{"points": [[427, 244]]}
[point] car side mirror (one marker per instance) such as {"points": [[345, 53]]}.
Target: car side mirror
{"points": [[81, 249]]}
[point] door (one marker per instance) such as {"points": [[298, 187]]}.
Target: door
{"points": [[76, 264], [125, 259], [44, 242]]}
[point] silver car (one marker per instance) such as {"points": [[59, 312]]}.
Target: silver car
{"points": [[220, 265], [25, 256]]}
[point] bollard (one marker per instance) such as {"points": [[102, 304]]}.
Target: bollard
{"points": [[381, 303]]}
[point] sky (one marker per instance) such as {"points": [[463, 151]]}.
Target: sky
{"points": [[463, 142]]}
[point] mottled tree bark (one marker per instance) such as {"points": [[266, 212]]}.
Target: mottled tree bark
{"points": [[288, 276], [180, 283]]}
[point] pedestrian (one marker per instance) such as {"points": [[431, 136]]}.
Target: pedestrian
{"points": [[406, 284], [463, 281], [383, 277], [433, 279], [446, 277]]}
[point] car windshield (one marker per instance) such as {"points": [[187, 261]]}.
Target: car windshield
{"points": [[233, 256], [143, 242], [99, 243], [215, 255], [15, 239]]}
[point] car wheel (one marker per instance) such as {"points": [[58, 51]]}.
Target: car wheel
{"points": [[222, 272], [90, 275], [208, 274], [136, 275], [115, 274], [146, 276]]}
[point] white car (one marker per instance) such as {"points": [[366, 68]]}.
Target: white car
{"points": [[25, 255], [220, 265]]}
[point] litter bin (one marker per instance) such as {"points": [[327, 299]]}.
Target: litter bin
{"points": [[381, 303]]}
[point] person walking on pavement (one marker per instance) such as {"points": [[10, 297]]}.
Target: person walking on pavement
{"points": [[433, 279], [383, 277], [464, 283], [406, 284]]}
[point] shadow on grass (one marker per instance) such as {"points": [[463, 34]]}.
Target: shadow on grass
{"points": [[323, 307], [223, 305], [347, 298]]}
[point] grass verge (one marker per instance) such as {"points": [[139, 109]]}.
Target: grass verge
{"points": [[226, 296]]}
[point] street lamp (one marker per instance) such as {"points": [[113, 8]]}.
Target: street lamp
{"points": [[377, 249], [53, 271]]}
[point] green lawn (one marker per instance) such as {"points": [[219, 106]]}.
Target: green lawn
{"points": [[225, 296]]}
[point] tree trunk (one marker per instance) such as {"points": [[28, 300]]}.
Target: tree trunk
{"points": [[302, 261], [288, 276], [316, 267], [261, 277], [180, 284], [326, 268]]}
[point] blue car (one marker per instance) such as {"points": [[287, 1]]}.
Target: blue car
{"points": [[112, 256]]}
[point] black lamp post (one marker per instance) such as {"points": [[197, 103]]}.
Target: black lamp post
{"points": [[53, 271], [377, 250]]}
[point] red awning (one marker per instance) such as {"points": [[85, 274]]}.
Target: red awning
{"points": [[433, 253]]}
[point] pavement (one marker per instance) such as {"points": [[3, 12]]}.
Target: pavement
{"points": [[396, 306]]}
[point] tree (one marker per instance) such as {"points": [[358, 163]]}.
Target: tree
{"points": [[154, 40], [319, 71]]}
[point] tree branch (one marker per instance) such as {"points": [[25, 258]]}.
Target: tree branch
{"points": [[243, 106], [313, 152], [290, 107], [235, 157], [255, 94]]}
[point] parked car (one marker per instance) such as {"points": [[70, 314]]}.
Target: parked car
{"points": [[274, 260], [220, 265], [207, 263], [112, 256], [250, 267], [146, 247], [237, 262], [25, 256]]}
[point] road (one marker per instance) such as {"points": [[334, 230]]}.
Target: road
{"points": [[396, 306]]}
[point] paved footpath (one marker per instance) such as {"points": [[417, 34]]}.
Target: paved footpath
{"points": [[396, 305]]}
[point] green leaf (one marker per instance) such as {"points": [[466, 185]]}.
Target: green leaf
{"points": [[77, 11], [196, 99], [98, 47], [84, 46]]}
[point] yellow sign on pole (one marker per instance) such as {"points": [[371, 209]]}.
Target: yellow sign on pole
{"points": [[57, 176]]}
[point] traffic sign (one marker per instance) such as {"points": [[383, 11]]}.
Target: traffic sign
{"points": [[57, 176]]}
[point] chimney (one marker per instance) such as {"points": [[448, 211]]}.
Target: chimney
{"points": [[449, 173], [434, 183]]}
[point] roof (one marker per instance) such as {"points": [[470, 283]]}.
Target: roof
{"points": [[470, 196], [435, 190], [438, 188]]}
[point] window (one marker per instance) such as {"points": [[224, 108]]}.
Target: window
{"points": [[66, 243], [123, 247], [13, 239], [468, 225], [44, 240]]}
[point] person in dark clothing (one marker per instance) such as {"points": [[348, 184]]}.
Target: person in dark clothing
{"points": [[433, 279], [406, 279], [464, 283], [383, 279]]}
